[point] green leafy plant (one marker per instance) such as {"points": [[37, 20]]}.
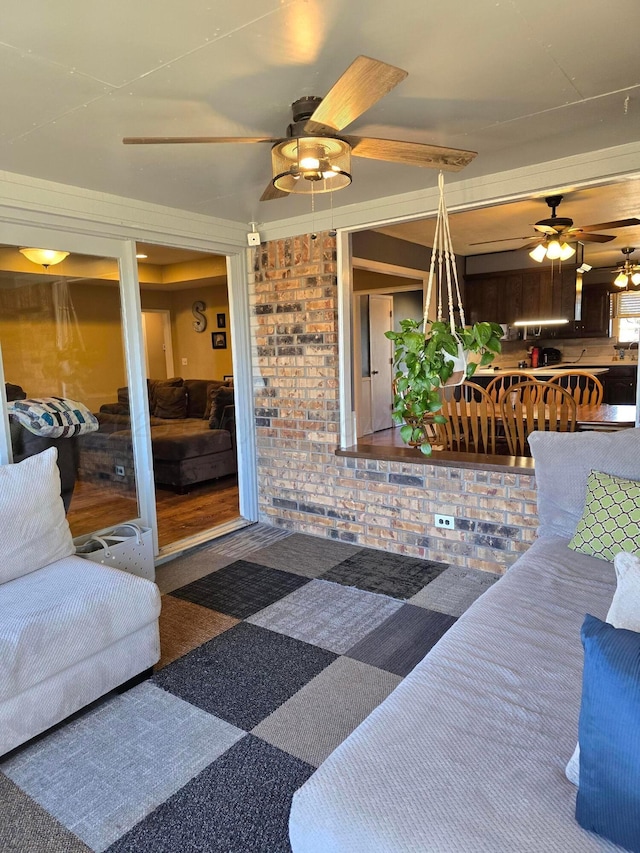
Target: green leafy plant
{"points": [[424, 364]]}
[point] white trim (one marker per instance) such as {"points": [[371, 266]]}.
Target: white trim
{"points": [[581, 170], [345, 342], [138, 395], [388, 269], [238, 276], [6, 454], [32, 201]]}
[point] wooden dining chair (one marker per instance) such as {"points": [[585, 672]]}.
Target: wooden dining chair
{"points": [[585, 388], [535, 406], [503, 381], [471, 422]]}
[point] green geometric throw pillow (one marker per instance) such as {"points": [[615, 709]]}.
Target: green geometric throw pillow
{"points": [[610, 522]]}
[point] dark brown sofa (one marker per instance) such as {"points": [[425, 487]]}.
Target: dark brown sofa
{"points": [[192, 435], [25, 443]]}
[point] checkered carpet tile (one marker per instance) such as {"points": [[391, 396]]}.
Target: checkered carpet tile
{"points": [[271, 656]]}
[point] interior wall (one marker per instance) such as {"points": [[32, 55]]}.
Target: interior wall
{"points": [[203, 362], [77, 353]]}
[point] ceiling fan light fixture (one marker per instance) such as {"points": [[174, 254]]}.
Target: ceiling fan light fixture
{"points": [[554, 250], [621, 280], [43, 257], [323, 163], [539, 253], [566, 252], [635, 279]]}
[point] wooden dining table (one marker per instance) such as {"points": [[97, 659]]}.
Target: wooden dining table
{"points": [[606, 415]]}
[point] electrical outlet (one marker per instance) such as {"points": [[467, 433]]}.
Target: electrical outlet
{"points": [[446, 521], [119, 469], [185, 361]]}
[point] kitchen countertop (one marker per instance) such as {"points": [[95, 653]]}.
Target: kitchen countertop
{"points": [[553, 370]]}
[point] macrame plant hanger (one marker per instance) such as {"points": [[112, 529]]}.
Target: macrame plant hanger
{"points": [[447, 272]]}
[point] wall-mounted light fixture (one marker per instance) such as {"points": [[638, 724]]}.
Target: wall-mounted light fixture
{"points": [[44, 257]]}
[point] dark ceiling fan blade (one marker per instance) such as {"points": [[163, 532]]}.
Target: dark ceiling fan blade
{"points": [[618, 223], [362, 85], [411, 153], [591, 238], [271, 193], [171, 140], [500, 240]]}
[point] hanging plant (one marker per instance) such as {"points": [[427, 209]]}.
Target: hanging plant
{"points": [[431, 354]]}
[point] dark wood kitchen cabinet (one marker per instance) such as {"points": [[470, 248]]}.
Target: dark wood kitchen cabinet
{"points": [[595, 316], [505, 297], [620, 384]]}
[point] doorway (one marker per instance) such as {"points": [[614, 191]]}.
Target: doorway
{"points": [[158, 348]]}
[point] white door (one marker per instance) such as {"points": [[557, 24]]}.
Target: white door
{"points": [[381, 321]]}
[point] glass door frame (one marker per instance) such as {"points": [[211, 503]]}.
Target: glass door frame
{"points": [[124, 252]]}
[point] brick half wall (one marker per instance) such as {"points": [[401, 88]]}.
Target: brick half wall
{"points": [[304, 486]]}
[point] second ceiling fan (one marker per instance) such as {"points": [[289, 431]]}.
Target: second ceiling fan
{"points": [[315, 156], [561, 231]]}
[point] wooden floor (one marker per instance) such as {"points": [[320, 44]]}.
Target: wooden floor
{"points": [[383, 438], [205, 506]]}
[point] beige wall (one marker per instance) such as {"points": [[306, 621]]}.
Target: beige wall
{"points": [[203, 362], [77, 353], [49, 354]]}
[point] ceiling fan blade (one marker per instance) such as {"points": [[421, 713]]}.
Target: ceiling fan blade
{"points": [[171, 140], [271, 193], [618, 223], [362, 85], [411, 153], [592, 238], [500, 240]]}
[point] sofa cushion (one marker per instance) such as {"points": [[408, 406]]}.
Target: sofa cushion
{"points": [[14, 392], [64, 613], [53, 417], [212, 388], [220, 399], [563, 463], [170, 402], [608, 800], [623, 613], [33, 528], [187, 439], [610, 522]]}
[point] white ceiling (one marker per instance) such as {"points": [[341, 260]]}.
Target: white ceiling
{"points": [[519, 82]]}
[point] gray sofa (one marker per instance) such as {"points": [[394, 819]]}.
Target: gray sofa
{"points": [[71, 630], [469, 752], [192, 435]]}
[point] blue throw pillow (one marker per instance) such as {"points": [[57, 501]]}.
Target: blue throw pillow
{"points": [[608, 801]]}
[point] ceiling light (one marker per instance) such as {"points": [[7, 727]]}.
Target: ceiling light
{"points": [[539, 253], [44, 257], [140, 256], [566, 252], [323, 163], [540, 322], [629, 271], [552, 249]]}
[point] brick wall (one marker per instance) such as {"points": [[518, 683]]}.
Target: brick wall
{"points": [[304, 486]]}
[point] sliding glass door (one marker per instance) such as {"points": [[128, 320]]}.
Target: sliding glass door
{"points": [[71, 339]]}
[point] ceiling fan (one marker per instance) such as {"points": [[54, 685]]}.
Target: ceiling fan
{"points": [[628, 270], [559, 231], [315, 156]]}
